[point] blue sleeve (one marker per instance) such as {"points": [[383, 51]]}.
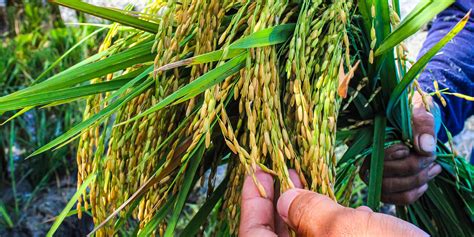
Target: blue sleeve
{"points": [[452, 67]]}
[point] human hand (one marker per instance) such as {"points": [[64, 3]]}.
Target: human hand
{"points": [[311, 214], [258, 216], [407, 171]]}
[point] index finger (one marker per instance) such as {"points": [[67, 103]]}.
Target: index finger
{"points": [[257, 212]]}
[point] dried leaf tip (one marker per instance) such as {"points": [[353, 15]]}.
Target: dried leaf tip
{"points": [[344, 78]]}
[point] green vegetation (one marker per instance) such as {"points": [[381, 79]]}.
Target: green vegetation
{"points": [[32, 48], [184, 87]]}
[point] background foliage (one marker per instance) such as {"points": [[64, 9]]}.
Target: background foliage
{"points": [[34, 39]]}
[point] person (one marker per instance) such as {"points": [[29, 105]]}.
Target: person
{"points": [[310, 214], [407, 171]]}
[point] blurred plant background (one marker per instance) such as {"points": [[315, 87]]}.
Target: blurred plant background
{"points": [[34, 38]]}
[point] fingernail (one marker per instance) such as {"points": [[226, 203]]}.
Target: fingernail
{"points": [[423, 189], [399, 154], [426, 162], [427, 143], [284, 202], [434, 171]]}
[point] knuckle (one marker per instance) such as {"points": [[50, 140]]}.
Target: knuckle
{"points": [[423, 120], [421, 114], [413, 166], [427, 125]]}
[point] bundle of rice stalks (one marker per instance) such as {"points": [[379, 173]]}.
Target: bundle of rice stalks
{"points": [[271, 85]]}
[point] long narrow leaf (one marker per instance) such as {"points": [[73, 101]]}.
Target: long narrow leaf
{"points": [[4, 214], [376, 163], [135, 55], [42, 98], [266, 37], [199, 85], [422, 14], [189, 177], [69, 205], [107, 111], [270, 36], [55, 63], [109, 14], [421, 63]]}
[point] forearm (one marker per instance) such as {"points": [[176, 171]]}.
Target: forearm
{"points": [[452, 67]]}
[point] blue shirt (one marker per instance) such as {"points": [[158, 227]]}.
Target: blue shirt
{"points": [[452, 67]]}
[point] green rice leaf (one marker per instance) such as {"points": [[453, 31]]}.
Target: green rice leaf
{"points": [[270, 36], [197, 86], [362, 141], [139, 75], [135, 55], [17, 114], [109, 14], [4, 214], [421, 15], [70, 94], [55, 63], [376, 164], [189, 177], [107, 111], [70, 205], [266, 37], [421, 63]]}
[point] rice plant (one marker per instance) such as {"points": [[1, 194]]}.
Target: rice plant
{"points": [[271, 85]]}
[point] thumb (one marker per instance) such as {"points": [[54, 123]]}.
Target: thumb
{"points": [[312, 214], [424, 137], [307, 213]]}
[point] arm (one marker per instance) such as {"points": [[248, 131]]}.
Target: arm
{"points": [[452, 67]]}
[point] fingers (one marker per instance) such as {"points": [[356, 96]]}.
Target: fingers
{"points": [[394, 156], [311, 214], [295, 178], [304, 211], [377, 224], [257, 218], [396, 152], [423, 127], [280, 225], [410, 165], [406, 190], [404, 198], [406, 183]]}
